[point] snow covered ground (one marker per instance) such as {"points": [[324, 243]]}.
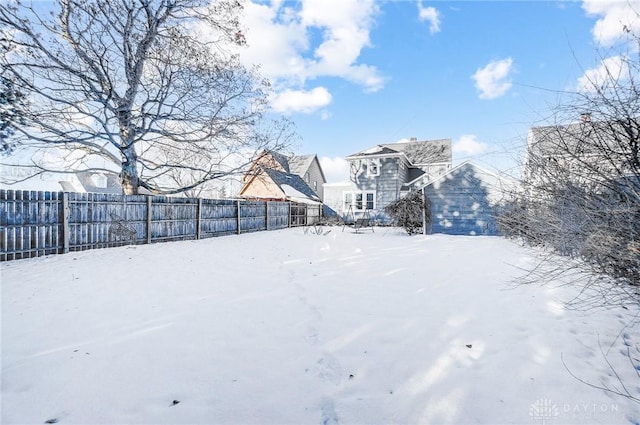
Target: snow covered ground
{"points": [[288, 327]]}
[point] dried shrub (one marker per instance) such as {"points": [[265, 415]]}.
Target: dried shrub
{"points": [[411, 212]]}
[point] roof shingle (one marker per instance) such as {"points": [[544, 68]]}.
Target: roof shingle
{"points": [[417, 152]]}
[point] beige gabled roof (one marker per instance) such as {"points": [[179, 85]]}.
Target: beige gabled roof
{"points": [[287, 185]]}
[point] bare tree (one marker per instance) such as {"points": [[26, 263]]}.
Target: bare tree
{"points": [[580, 194], [12, 106], [149, 89]]}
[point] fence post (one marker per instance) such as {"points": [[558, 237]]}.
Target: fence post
{"points": [[266, 215], [65, 223], [198, 217], [424, 213], [238, 216], [290, 212], [149, 217]]}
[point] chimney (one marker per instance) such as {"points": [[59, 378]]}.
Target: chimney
{"points": [[585, 117], [413, 139]]}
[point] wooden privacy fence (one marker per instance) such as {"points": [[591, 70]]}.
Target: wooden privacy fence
{"points": [[41, 223]]}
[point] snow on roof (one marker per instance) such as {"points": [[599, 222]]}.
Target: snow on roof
{"points": [[298, 187], [294, 195], [417, 152]]}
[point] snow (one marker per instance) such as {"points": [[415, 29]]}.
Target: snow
{"points": [[373, 150], [295, 195], [291, 327]]}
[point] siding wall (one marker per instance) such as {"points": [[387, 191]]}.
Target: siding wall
{"points": [[393, 174], [388, 183], [464, 202], [315, 175], [333, 195]]}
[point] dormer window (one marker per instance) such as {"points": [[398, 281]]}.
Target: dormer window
{"points": [[373, 167], [99, 180]]}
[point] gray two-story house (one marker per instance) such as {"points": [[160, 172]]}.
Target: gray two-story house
{"points": [[383, 173]]}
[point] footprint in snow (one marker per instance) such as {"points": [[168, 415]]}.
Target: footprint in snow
{"points": [[329, 415], [330, 369]]}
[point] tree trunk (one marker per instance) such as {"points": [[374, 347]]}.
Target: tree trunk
{"points": [[129, 175], [129, 179]]}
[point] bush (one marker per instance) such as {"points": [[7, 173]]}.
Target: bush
{"points": [[410, 212]]}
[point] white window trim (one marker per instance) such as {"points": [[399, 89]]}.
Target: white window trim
{"points": [[376, 163], [353, 203]]}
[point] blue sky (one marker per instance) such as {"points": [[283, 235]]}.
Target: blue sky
{"points": [[354, 73]]}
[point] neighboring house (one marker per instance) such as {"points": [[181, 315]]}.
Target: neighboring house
{"points": [[308, 167], [271, 177], [99, 182], [586, 153], [384, 173], [465, 201], [81, 181]]}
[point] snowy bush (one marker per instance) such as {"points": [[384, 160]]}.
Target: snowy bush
{"points": [[410, 212]]}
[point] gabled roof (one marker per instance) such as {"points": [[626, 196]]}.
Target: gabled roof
{"points": [[552, 140], [426, 151], [416, 152], [291, 185], [267, 155], [300, 164], [583, 138], [283, 172], [375, 151], [281, 159], [497, 186]]}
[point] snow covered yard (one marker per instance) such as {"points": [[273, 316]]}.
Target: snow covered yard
{"points": [[287, 327]]}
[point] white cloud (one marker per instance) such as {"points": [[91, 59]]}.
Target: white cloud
{"points": [[468, 145], [366, 76], [274, 42], [431, 15], [610, 71], [296, 42], [335, 170], [616, 18], [303, 101], [493, 80]]}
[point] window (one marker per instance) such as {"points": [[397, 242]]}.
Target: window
{"points": [[358, 205], [359, 201], [369, 201], [373, 167], [99, 180], [348, 200]]}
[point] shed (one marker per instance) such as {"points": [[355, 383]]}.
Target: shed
{"points": [[465, 201]]}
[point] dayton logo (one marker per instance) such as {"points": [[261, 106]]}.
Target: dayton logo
{"points": [[543, 410]]}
